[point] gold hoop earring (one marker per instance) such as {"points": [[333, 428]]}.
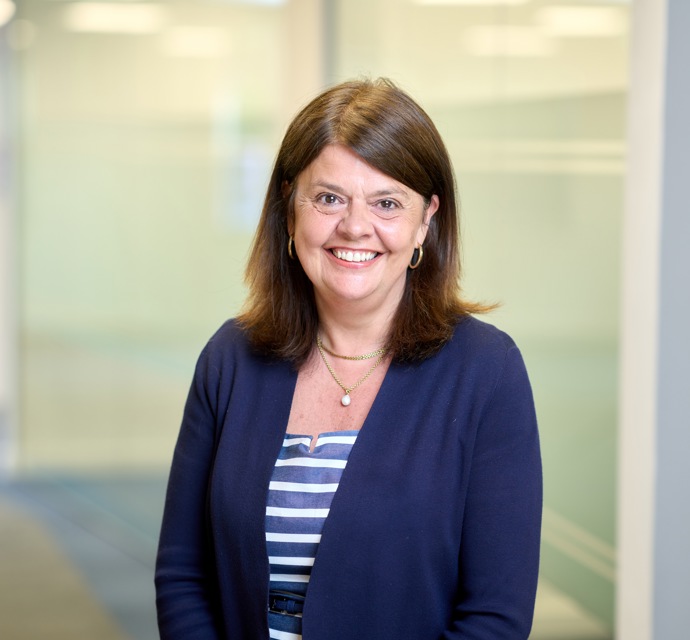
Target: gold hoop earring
{"points": [[290, 243], [418, 254]]}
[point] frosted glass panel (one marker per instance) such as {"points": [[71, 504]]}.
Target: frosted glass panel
{"points": [[148, 131], [530, 98]]}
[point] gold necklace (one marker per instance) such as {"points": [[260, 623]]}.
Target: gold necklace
{"points": [[366, 356], [345, 400]]}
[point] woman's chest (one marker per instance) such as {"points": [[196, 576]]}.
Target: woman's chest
{"points": [[317, 401]]}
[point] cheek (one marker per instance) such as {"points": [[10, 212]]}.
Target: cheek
{"points": [[312, 229], [407, 241], [301, 223]]}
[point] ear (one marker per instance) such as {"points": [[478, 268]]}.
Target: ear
{"points": [[429, 212]]}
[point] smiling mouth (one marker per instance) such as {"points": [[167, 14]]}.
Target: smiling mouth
{"points": [[354, 256]]}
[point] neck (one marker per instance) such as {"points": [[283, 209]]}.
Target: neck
{"points": [[353, 332]]}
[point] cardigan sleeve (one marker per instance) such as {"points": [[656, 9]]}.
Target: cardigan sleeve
{"points": [[185, 578], [499, 555]]}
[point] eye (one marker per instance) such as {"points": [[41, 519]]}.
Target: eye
{"points": [[387, 208], [388, 205], [327, 202], [327, 198]]}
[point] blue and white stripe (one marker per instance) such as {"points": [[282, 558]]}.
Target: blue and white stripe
{"points": [[299, 500]]}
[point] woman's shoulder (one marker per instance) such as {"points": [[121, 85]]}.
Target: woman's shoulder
{"points": [[229, 333], [483, 354], [477, 336], [478, 348], [230, 342]]}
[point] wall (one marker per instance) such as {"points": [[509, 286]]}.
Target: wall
{"points": [[144, 155], [654, 514], [8, 361]]}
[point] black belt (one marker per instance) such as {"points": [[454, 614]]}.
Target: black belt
{"points": [[285, 602]]}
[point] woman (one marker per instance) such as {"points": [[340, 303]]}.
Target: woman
{"points": [[355, 366]]}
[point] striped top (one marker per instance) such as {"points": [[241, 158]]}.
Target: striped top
{"points": [[299, 498]]}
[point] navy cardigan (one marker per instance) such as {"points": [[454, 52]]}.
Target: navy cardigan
{"points": [[433, 533]]}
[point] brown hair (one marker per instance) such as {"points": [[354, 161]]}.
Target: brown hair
{"points": [[393, 134]]}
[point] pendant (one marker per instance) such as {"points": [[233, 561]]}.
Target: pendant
{"points": [[345, 400]]}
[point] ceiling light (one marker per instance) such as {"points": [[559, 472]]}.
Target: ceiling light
{"points": [[108, 17], [195, 42], [7, 10], [508, 40], [471, 3], [585, 21], [262, 3]]}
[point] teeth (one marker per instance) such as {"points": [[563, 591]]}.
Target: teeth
{"points": [[354, 256]]}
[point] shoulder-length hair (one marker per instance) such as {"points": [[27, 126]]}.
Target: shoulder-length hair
{"points": [[392, 133]]}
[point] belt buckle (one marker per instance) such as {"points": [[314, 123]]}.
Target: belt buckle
{"points": [[284, 603]]}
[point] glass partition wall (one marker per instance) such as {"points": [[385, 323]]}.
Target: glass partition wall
{"points": [[147, 133], [530, 98]]}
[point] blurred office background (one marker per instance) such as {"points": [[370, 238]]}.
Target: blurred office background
{"points": [[135, 143]]}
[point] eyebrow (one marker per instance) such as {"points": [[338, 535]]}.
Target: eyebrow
{"points": [[381, 192]]}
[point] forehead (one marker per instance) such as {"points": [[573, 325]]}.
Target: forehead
{"points": [[340, 165]]}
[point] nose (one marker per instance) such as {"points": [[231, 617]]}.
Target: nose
{"points": [[356, 222]]}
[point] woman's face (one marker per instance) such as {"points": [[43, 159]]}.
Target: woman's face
{"points": [[355, 230]]}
